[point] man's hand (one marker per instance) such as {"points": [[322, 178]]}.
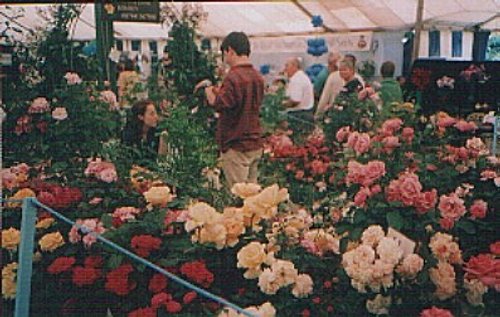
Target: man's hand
{"points": [[202, 84]]}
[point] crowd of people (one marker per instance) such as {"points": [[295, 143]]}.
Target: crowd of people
{"points": [[239, 96]]}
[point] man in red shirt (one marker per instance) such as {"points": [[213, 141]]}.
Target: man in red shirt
{"points": [[238, 101]]}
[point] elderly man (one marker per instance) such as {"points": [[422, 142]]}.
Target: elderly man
{"points": [[333, 85], [300, 97], [319, 82]]}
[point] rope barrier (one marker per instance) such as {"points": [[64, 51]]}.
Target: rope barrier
{"points": [[26, 250]]}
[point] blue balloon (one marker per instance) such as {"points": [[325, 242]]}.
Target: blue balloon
{"points": [[264, 69], [317, 20], [90, 49]]}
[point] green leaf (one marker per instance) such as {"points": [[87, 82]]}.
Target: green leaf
{"points": [[395, 220], [107, 220], [467, 226], [114, 261]]}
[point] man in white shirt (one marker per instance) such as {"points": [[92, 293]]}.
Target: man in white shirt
{"points": [[300, 97]]}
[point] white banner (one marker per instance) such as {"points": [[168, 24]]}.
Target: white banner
{"points": [[345, 42]]}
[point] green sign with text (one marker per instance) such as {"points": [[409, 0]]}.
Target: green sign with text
{"points": [[133, 11]]}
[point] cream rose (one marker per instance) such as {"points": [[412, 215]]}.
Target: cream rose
{"points": [[303, 286], [158, 196], [245, 190], [251, 257]]}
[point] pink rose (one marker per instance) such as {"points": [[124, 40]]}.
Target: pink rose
{"points": [[465, 126], [478, 209], [361, 197], [446, 121], [431, 167], [343, 133], [495, 248], [360, 142], [390, 143], [72, 78], [108, 175], [436, 312], [408, 134], [488, 174], [39, 105], [390, 126], [318, 167], [485, 268], [446, 223], [373, 171], [451, 206], [426, 201], [410, 188], [375, 189], [95, 200]]}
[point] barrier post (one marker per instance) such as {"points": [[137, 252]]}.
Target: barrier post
{"points": [[25, 261]]}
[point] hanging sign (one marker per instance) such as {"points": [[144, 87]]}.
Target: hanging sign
{"points": [[133, 11]]}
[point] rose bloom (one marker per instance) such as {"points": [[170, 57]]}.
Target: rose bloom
{"points": [[495, 248], [343, 133], [444, 248], [108, 175], [303, 286], [245, 190], [11, 238], [410, 266], [435, 312], [19, 195], [189, 297], [478, 209], [268, 282], [157, 283], [451, 206], [464, 126], [488, 174], [390, 126], [212, 233], [201, 214], [285, 271], [117, 281], [359, 142], [72, 78], [61, 264], [443, 276], [143, 245], [83, 276], [251, 257], [410, 188], [408, 134], [109, 97], [143, 312], [234, 225], [59, 114], [51, 241], [39, 105], [158, 196], [389, 251], [9, 281], [372, 235], [484, 268], [390, 143], [426, 201], [379, 305], [475, 291]]}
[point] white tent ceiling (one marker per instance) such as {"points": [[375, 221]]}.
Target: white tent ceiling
{"points": [[294, 17]]}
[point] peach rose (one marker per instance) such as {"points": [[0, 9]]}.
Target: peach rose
{"points": [[245, 190], [426, 201], [19, 195], [11, 238], [303, 286], [372, 235], [251, 257], [451, 206], [51, 241], [443, 276], [158, 196]]}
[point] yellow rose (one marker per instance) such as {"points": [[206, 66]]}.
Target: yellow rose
{"points": [[265, 203], [9, 281], [51, 241], [21, 194], [10, 238], [214, 233], [245, 190], [44, 223], [158, 196], [251, 257]]}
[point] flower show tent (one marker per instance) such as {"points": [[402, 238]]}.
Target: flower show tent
{"points": [[282, 27]]}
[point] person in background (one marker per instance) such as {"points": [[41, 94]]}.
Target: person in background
{"points": [[347, 73], [353, 60], [238, 102], [127, 80], [320, 81], [299, 103], [333, 85], [390, 90], [164, 68], [140, 130]]}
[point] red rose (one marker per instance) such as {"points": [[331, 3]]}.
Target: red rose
{"points": [[143, 312], [143, 245], [189, 297], [117, 280], [94, 261], [435, 312], [495, 248], [157, 283], [85, 275], [485, 268], [306, 313], [46, 198], [160, 299], [61, 264], [198, 272], [316, 300], [173, 307]]}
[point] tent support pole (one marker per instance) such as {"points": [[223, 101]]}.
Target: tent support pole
{"points": [[418, 30]]}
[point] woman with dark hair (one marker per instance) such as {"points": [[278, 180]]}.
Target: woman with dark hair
{"points": [[140, 130]]}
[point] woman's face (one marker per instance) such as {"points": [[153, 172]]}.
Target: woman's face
{"points": [[150, 117], [346, 73]]}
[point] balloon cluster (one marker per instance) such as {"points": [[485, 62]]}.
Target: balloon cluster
{"points": [[317, 46], [313, 71]]}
